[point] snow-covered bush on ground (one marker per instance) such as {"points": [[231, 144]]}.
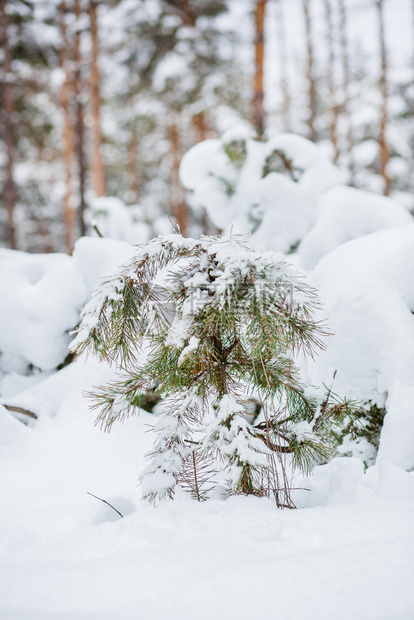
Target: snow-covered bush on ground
{"points": [[285, 192], [290, 198], [238, 318], [41, 296], [62, 552], [41, 299], [368, 288]]}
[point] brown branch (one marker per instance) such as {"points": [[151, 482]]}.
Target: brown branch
{"points": [[280, 449], [98, 232], [323, 407], [273, 446], [105, 502], [195, 476], [187, 16], [20, 410]]}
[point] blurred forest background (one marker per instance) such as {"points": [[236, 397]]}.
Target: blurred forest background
{"points": [[103, 98]]}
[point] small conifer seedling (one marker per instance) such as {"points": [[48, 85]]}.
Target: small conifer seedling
{"points": [[209, 327]]}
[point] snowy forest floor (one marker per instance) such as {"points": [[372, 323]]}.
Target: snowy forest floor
{"points": [[235, 559], [65, 555]]}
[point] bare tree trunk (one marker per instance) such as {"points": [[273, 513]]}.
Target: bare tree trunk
{"points": [[9, 191], [284, 74], [310, 72], [200, 126], [68, 137], [177, 196], [258, 110], [383, 85], [201, 134], [334, 110], [132, 166], [80, 129], [345, 86], [98, 172]]}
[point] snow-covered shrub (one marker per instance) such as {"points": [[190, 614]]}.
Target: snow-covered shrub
{"points": [[41, 296], [290, 198], [40, 301], [270, 189], [361, 439], [368, 291], [285, 192], [223, 328]]}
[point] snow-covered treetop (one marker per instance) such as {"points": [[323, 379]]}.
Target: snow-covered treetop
{"points": [[203, 275]]}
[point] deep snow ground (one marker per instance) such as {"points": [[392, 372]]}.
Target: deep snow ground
{"points": [[236, 559], [65, 555], [346, 553]]}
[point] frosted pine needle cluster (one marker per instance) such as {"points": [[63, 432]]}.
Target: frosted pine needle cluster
{"points": [[206, 325]]}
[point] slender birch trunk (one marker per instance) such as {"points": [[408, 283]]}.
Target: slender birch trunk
{"points": [[346, 80], [98, 171], [9, 191], [258, 109], [310, 72], [284, 73], [68, 136], [333, 104], [383, 85], [80, 128]]}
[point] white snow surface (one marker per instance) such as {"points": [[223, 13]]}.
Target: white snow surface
{"points": [[347, 552], [367, 288], [276, 208], [41, 296], [345, 213], [116, 221], [306, 205]]}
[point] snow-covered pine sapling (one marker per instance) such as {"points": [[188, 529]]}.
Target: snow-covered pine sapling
{"points": [[223, 328]]}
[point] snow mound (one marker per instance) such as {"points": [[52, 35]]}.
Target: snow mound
{"points": [[117, 221], [269, 189], [345, 213], [64, 455], [41, 297], [367, 286], [96, 258]]}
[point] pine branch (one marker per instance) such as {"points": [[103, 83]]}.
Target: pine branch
{"points": [[227, 320]]}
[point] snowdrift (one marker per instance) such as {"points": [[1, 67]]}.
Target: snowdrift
{"points": [[65, 554]]}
